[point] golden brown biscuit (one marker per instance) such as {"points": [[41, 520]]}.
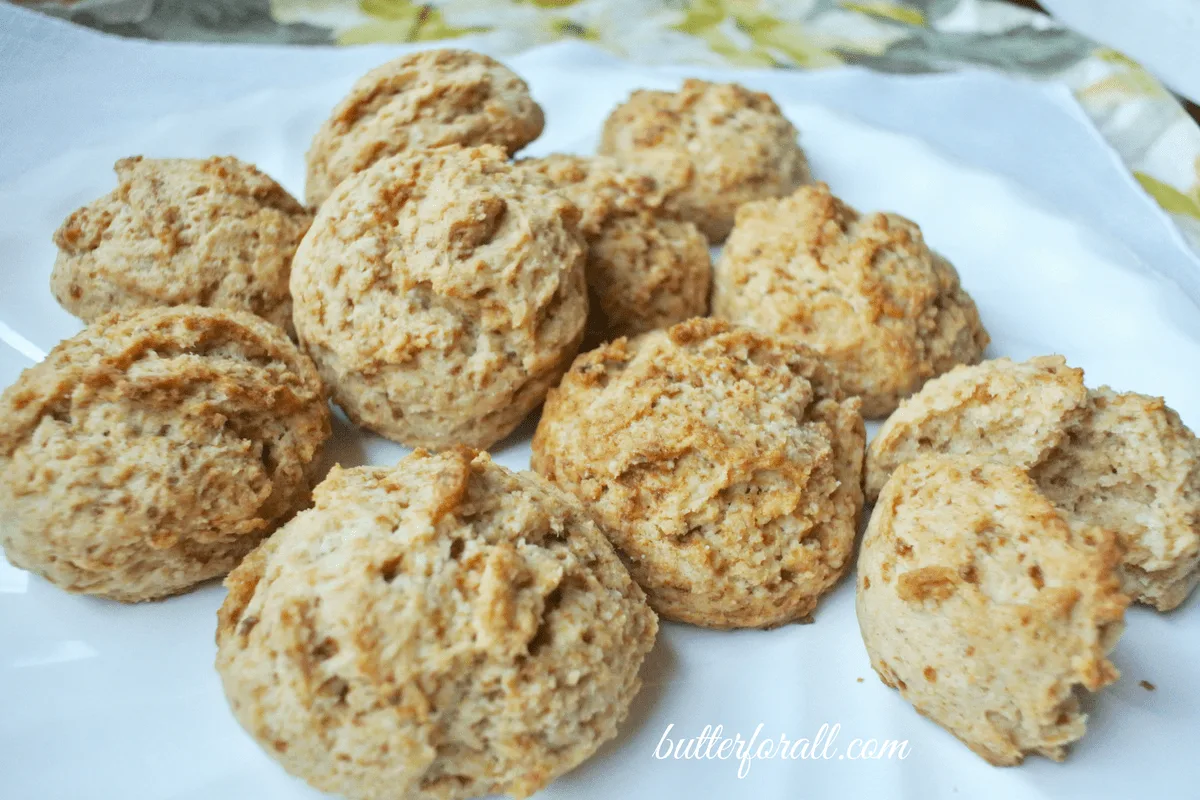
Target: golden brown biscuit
{"points": [[423, 100], [181, 231], [1124, 462], [863, 290], [441, 295], [645, 269], [722, 463], [441, 629], [711, 147], [986, 607], [1014, 412], [154, 449]]}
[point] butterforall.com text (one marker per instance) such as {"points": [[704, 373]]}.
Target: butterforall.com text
{"points": [[713, 743]]}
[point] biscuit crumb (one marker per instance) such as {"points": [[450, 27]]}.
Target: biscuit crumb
{"points": [[1124, 462], [999, 659]]}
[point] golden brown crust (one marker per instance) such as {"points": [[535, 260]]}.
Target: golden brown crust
{"points": [[986, 607], [441, 629], [710, 146], [441, 295], [645, 269], [423, 100], [153, 450], [863, 290], [722, 463], [180, 231]]}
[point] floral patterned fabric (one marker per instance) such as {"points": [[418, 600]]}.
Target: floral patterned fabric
{"points": [[1144, 123]]}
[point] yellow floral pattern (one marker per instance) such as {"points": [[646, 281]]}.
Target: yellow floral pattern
{"points": [[1183, 204], [1141, 119], [893, 11], [402, 21]]}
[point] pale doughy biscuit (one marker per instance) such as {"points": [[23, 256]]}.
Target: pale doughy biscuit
{"points": [[423, 100], [710, 146], [1015, 412], [440, 629], [441, 295], [986, 607], [1124, 462], [1130, 465], [645, 269], [156, 448], [722, 463], [863, 290], [181, 231]]}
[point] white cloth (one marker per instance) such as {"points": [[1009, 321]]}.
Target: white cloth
{"points": [[1162, 34], [63, 86]]}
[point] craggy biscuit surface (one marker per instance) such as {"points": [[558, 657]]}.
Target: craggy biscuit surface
{"points": [[441, 629], [986, 607], [423, 100], [1013, 411], [154, 449], [1130, 465], [441, 294], [1124, 462], [863, 290], [181, 231], [645, 268], [710, 146], [722, 463]]}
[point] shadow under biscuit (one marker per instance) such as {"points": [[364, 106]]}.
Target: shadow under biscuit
{"points": [[344, 446]]}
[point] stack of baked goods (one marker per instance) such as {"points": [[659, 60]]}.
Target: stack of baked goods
{"points": [[447, 628]]}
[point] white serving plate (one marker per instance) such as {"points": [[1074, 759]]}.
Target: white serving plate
{"points": [[101, 700]]}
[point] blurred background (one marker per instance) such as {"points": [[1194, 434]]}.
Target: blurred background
{"points": [[1129, 64]]}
